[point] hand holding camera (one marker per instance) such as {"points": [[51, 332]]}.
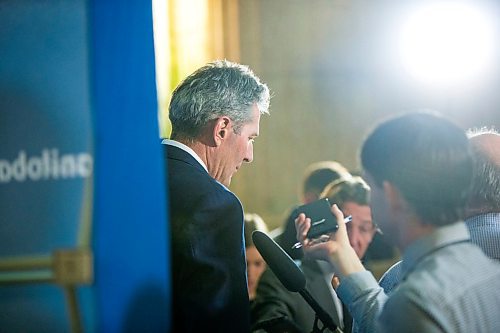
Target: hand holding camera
{"points": [[323, 222]]}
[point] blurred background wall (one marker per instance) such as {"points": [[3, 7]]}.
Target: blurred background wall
{"points": [[332, 66], [335, 68]]}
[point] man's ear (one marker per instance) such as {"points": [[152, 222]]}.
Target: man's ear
{"points": [[395, 200], [221, 130]]}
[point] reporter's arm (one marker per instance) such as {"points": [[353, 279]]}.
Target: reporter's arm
{"points": [[358, 289]]}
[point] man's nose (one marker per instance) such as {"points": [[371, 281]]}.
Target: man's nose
{"points": [[354, 236], [249, 154]]}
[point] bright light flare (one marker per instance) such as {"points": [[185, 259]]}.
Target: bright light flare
{"points": [[447, 43]]}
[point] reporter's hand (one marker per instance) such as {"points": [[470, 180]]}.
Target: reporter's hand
{"points": [[334, 247]]}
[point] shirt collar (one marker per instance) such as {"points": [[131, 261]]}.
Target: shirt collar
{"points": [[439, 238], [186, 149]]}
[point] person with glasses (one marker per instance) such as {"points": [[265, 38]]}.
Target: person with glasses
{"points": [[352, 194], [274, 301]]}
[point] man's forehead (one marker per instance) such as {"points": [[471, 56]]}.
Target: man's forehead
{"points": [[253, 126], [353, 204], [489, 144]]}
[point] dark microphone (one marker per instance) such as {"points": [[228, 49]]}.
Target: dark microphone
{"points": [[290, 275], [280, 262]]}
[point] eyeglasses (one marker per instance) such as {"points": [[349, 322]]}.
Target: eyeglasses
{"points": [[365, 229]]}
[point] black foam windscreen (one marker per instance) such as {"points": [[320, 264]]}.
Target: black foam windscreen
{"points": [[280, 262]]}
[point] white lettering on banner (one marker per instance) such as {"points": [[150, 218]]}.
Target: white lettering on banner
{"points": [[48, 165]]}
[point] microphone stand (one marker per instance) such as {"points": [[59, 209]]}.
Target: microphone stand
{"points": [[320, 313]]}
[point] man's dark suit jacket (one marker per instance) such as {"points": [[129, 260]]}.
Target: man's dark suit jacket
{"points": [[207, 250], [273, 300]]}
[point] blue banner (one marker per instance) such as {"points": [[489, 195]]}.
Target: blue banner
{"points": [[81, 166]]}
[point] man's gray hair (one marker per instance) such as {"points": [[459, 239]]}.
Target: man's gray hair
{"points": [[220, 88], [484, 196]]}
